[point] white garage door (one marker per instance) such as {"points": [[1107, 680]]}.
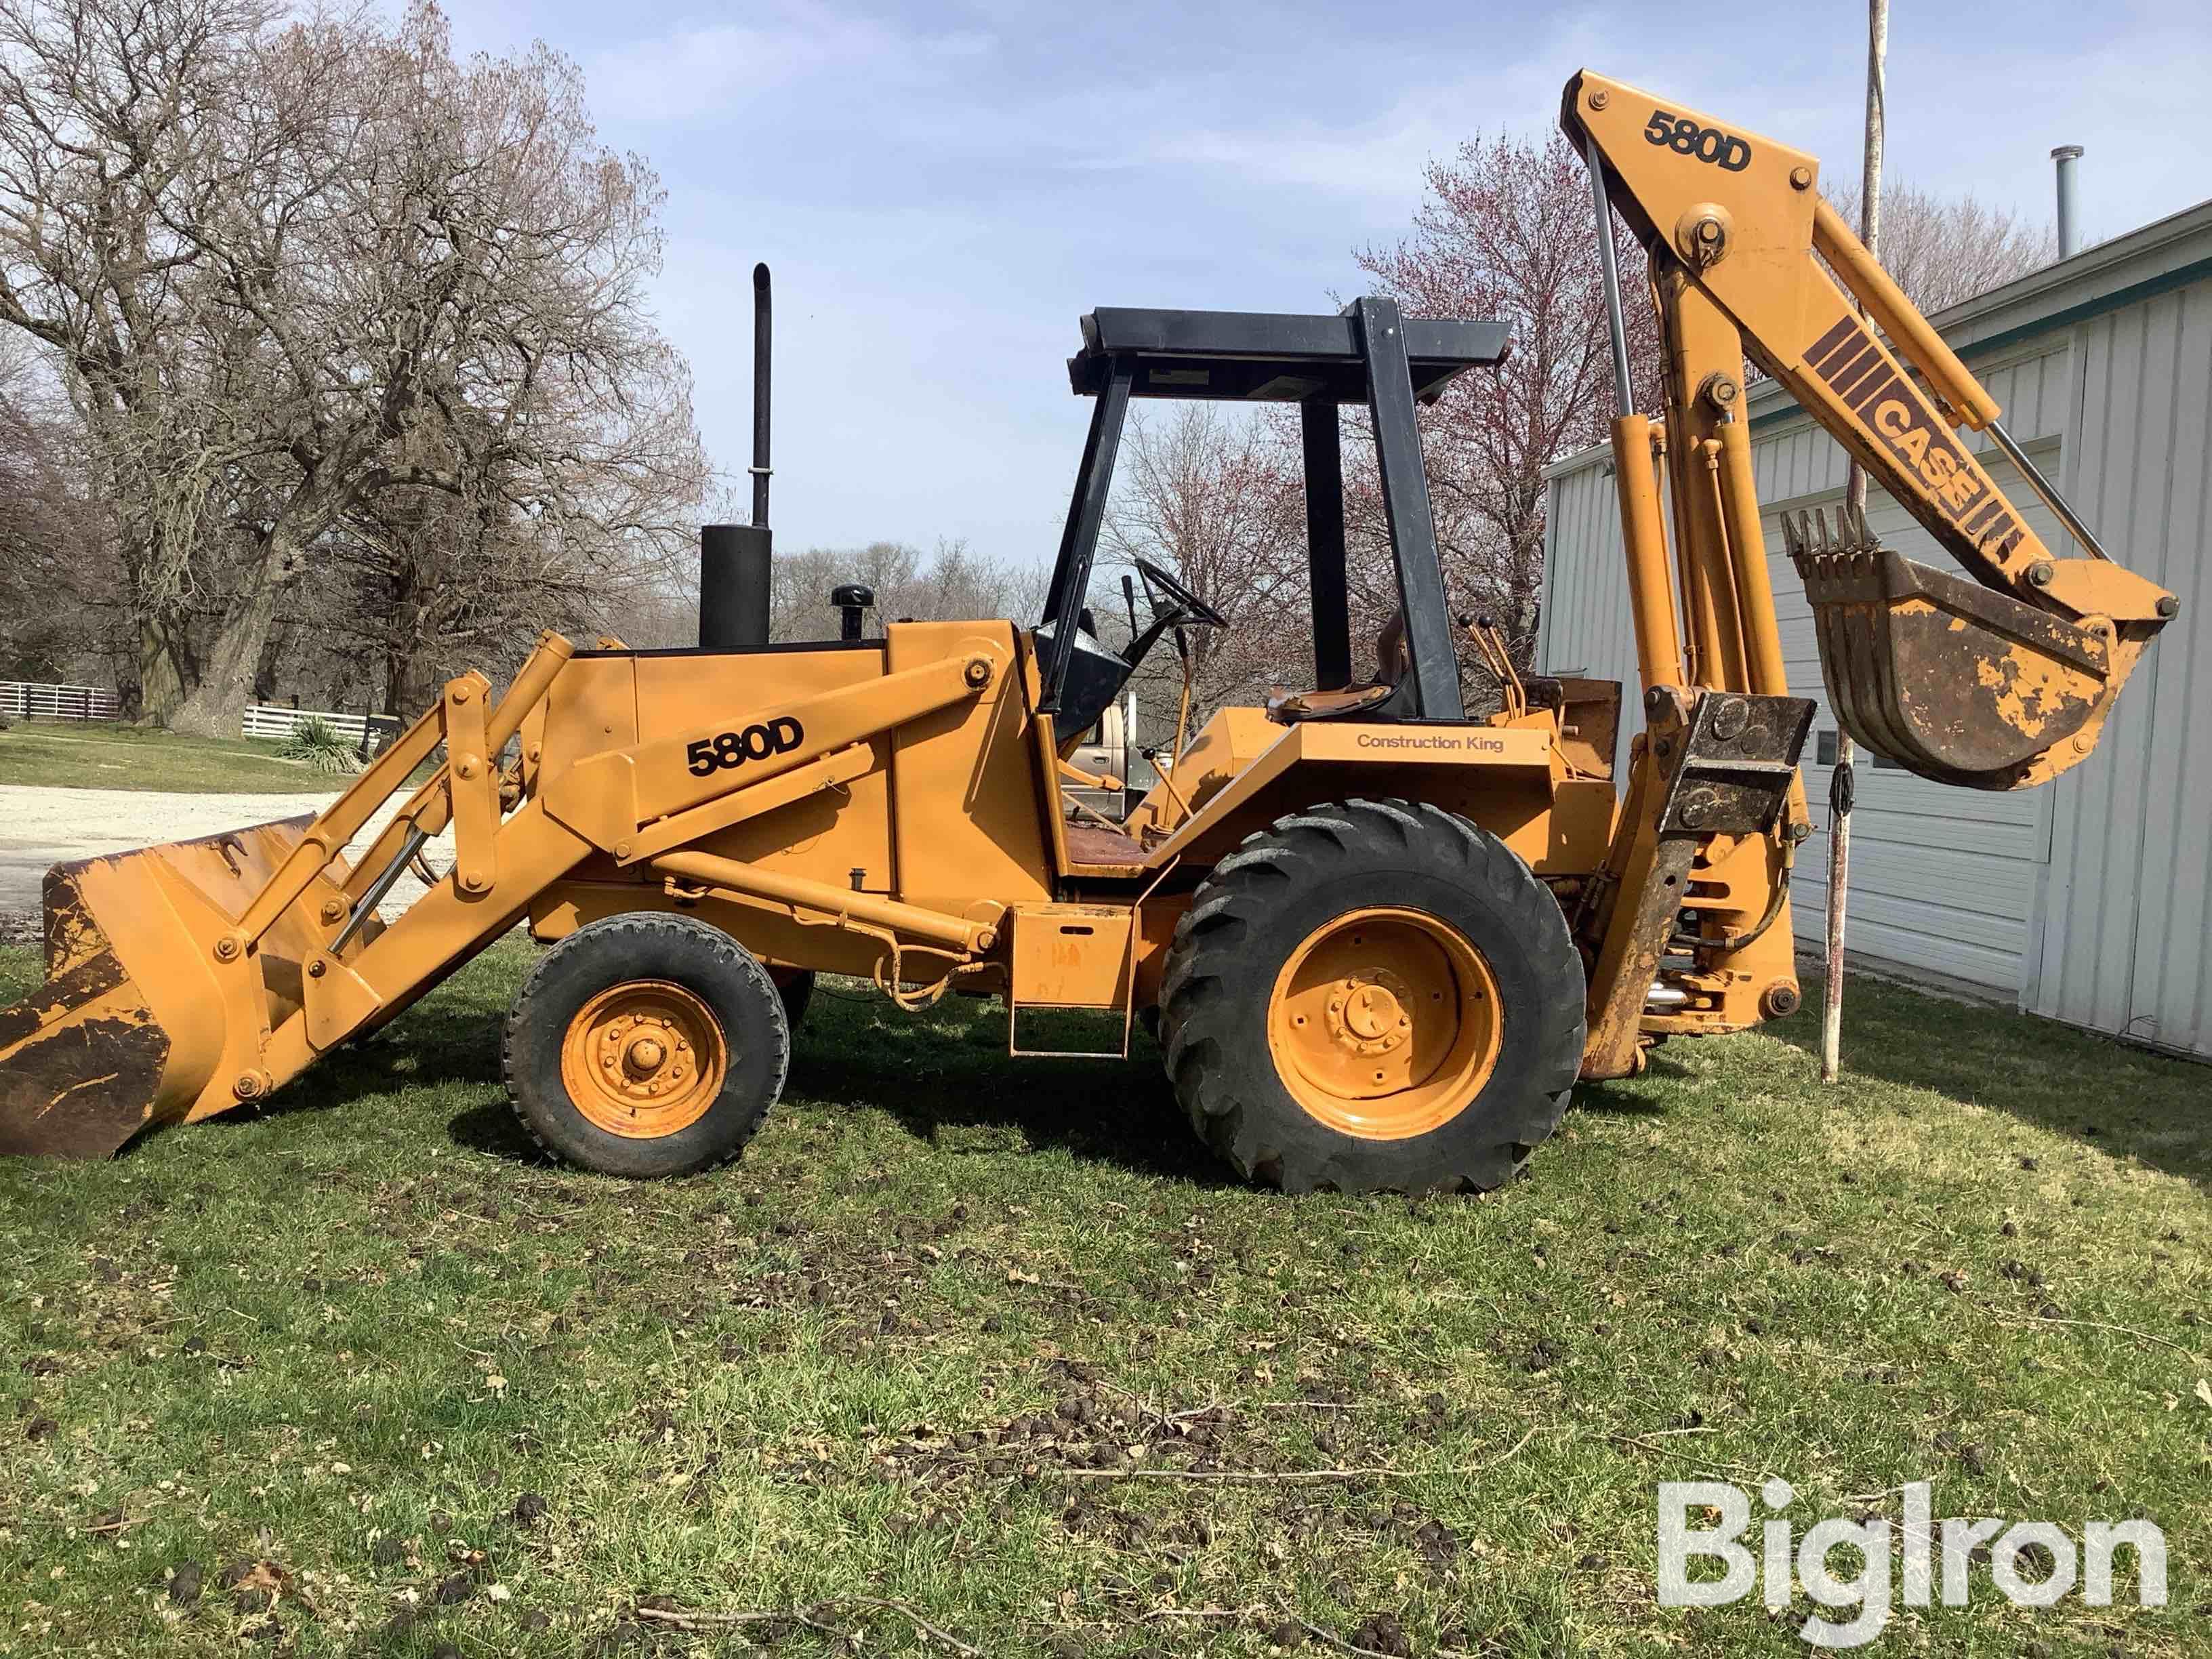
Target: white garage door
{"points": [[1942, 879]]}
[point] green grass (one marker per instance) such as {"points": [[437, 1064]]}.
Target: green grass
{"points": [[348, 1335], [104, 755]]}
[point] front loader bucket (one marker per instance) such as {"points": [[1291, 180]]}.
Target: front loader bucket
{"points": [[129, 1029], [1950, 679]]}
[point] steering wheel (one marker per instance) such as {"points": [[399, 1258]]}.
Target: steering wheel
{"points": [[1193, 611]]}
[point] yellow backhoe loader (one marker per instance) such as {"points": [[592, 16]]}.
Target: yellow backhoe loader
{"points": [[1381, 939]]}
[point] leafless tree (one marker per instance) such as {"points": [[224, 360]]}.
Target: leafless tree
{"points": [[291, 265], [1504, 231], [951, 584], [1214, 495], [54, 548], [1944, 249]]}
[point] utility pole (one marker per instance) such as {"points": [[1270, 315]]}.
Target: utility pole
{"points": [[1843, 777]]}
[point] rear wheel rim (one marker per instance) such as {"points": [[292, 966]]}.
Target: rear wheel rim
{"points": [[644, 1059], [1385, 1023]]}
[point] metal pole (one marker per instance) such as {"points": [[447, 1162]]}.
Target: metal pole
{"points": [[1841, 779], [1624, 389]]}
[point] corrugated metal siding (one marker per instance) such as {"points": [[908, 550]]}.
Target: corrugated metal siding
{"points": [[1947, 880], [2125, 943]]}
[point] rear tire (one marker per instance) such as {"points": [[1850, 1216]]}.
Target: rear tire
{"points": [[645, 1045], [1376, 995]]}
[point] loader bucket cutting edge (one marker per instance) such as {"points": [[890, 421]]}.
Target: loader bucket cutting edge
{"points": [[1951, 680], [129, 1029]]}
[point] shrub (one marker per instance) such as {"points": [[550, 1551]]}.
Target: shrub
{"points": [[319, 743]]}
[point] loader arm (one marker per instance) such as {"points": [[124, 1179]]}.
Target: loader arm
{"points": [[1747, 259]]}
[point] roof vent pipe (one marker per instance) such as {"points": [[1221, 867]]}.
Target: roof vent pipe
{"points": [[2069, 223]]}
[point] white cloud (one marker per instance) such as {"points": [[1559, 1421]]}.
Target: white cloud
{"points": [[693, 70]]}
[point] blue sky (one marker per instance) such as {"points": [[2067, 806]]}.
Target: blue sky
{"points": [[942, 190]]}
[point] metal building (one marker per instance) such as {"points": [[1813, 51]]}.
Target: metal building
{"points": [[2089, 900]]}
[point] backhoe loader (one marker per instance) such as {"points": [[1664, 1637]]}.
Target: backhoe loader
{"points": [[1382, 938]]}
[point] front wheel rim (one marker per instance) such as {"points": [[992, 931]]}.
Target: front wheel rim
{"points": [[1385, 1023], [644, 1059]]}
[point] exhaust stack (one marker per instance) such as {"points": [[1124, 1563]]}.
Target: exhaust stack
{"points": [[736, 560], [2069, 222]]}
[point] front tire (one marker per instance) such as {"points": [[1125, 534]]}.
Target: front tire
{"points": [[645, 1045], [1376, 995]]}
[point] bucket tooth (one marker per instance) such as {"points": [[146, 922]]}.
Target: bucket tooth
{"points": [[1950, 679]]}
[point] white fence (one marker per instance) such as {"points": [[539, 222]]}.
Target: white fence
{"points": [[271, 720], [24, 700]]}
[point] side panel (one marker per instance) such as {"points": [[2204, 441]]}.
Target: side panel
{"points": [[1224, 747], [964, 819], [826, 836]]}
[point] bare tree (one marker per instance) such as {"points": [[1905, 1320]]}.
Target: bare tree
{"points": [[1215, 495], [1945, 249], [54, 548], [291, 266], [1505, 231], [951, 584]]}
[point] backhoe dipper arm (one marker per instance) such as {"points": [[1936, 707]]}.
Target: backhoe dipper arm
{"points": [[1744, 217]]}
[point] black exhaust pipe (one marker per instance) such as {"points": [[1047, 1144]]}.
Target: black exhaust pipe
{"points": [[737, 561]]}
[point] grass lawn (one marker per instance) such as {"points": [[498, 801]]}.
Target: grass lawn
{"points": [[957, 1332], [99, 755]]}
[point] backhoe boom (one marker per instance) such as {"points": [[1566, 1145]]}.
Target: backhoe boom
{"points": [[1743, 248]]}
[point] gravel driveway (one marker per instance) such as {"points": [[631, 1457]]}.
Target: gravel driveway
{"points": [[42, 827]]}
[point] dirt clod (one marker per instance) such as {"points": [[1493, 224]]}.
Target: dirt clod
{"points": [[529, 1509], [184, 1582], [42, 1428], [386, 1551], [1381, 1632]]}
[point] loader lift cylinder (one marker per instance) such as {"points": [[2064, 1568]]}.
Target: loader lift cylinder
{"points": [[737, 561]]}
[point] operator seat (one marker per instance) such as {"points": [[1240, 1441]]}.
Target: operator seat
{"points": [[1382, 698]]}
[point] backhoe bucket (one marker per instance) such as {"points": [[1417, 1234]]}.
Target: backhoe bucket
{"points": [[129, 1029], [1948, 678]]}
